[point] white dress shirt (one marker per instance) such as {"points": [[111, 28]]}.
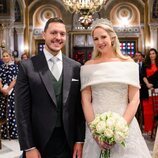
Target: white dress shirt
{"points": [[49, 56]]}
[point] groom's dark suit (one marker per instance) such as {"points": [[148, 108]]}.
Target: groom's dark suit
{"points": [[36, 107]]}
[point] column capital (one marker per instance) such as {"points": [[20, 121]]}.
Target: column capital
{"points": [[19, 29], [153, 26]]}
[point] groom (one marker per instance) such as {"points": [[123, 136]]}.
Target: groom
{"points": [[48, 107]]}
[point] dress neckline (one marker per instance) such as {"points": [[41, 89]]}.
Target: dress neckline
{"points": [[107, 62]]}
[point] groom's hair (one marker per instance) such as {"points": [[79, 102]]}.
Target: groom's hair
{"points": [[51, 20]]}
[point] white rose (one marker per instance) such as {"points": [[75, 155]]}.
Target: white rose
{"points": [[103, 116], [100, 127], [95, 121], [120, 136], [110, 123], [126, 130], [120, 125], [109, 114], [115, 116], [108, 133], [123, 121]]}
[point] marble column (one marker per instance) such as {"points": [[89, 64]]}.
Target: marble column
{"points": [[154, 35], [26, 30], [31, 46], [146, 26], [8, 36], [142, 38], [20, 34]]}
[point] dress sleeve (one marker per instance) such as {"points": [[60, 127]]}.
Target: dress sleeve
{"points": [[116, 72], [15, 71]]}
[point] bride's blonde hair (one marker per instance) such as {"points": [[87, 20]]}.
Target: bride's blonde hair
{"points": [[107, 26]]}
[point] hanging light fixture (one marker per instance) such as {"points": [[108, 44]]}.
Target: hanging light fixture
{"points": [[86, 8]]}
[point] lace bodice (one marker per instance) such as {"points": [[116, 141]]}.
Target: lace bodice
{"points": [[109, 97]]}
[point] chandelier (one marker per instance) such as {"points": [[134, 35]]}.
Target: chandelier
{"points": [[86, 8]]}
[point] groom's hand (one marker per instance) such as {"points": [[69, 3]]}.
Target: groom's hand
{"points": [[34, 153], [77, 153]]}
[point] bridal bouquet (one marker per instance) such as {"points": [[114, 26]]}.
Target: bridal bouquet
{"points": [[109, 127]]}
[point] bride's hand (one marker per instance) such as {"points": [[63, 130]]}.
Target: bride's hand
{"points": [[103, 145], [106, 145]]}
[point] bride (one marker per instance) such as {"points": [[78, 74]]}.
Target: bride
{"points": [[110, 82]]}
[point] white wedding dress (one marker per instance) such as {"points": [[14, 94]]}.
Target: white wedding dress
{"points": [[109, 83]]}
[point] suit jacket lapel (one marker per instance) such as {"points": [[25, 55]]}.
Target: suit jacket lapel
{"points": [[45, 74], [67, 77]]}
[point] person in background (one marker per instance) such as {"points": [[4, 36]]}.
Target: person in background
{"points": [[110, 82], [8, 75], [24, 56], [48, 101], [150, 78], [139, 59]]}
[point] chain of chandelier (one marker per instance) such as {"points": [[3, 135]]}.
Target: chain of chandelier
{"points": [[86, 8]]}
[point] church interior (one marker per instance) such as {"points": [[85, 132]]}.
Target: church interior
{"points": [[22, 23]]}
